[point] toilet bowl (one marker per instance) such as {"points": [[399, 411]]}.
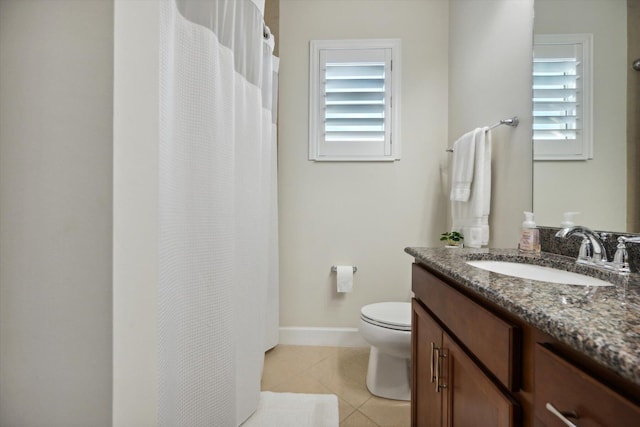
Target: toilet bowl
{"points": [[387, 327]]}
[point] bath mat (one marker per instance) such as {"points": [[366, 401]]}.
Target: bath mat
{"points": [[295, 410]]}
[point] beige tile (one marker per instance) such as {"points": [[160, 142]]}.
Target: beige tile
{"points": [[352, 362], [285, 361], [344, 373], [344, 409], [335, 370], [386, 412], [357, 419], [302, 383]]}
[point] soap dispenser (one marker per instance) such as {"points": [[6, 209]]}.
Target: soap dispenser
{"points": [[567, 219], [529, 235]]}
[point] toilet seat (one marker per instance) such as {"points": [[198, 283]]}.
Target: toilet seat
{"points": [[389, 315]]}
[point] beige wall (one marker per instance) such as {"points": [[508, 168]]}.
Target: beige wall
{"points": [[562, 186], [490, 79], [135, 212], [364, 213], [56, 70]]}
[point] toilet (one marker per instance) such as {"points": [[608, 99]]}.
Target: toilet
{"points": [[386, 326]]}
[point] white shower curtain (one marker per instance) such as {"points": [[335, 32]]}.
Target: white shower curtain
{"points": [[218, 210]]}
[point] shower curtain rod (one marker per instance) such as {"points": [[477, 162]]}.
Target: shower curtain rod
{"points": [[513, 122]]}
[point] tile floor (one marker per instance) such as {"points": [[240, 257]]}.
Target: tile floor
{"points": [[335, 370]]}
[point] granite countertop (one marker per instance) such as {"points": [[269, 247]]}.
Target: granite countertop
{"points": [[601, 322]]}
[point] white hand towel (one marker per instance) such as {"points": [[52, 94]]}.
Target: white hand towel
{"points": [[482, 179], [472, 217], [462, 169]]}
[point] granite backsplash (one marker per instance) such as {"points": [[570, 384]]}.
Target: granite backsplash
{"points": [[571, 246]]}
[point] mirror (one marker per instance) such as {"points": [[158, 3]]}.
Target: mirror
{"points": [[602, 188]]}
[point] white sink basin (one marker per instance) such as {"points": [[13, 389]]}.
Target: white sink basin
{"points": [[537, 272]]}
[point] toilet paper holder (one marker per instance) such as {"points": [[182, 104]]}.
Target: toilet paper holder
{"points": [[335, 269]]}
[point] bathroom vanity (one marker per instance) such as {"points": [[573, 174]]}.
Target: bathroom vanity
{"points": [[496, 350]]}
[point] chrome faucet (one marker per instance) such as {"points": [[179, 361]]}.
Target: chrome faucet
{"points": [[592, 250]]}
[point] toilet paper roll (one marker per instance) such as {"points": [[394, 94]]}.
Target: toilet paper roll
{"points": [[344, 279]]}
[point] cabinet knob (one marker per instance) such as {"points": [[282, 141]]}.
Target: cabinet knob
{"points": [[562, 415]]}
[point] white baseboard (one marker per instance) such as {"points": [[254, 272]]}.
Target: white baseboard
{"points": [[329, 337]]}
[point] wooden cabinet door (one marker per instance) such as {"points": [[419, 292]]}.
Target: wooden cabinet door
{"points": [[426, 402], [472, 399]]}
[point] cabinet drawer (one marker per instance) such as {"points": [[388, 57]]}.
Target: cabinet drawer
{"points": [[573, 392], [492, 340]]}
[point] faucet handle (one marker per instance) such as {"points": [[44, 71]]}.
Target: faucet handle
{"points": [[628, 239], [586, 251], [621, 257]]}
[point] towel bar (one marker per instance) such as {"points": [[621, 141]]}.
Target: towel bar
{"points": [[513, 122]]}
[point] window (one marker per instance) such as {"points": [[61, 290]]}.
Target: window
{"points": [[354, 100], [562, 97]]}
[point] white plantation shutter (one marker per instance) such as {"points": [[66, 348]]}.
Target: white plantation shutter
{"points": [[562, 97], [356, 102], [352, 100]]}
